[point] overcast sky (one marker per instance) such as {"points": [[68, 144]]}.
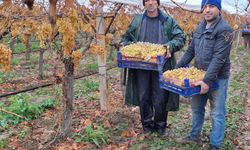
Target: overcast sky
{"points": [[228, 5]]}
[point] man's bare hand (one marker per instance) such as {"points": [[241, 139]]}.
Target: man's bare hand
{"points": [[204, 87], [167, 53]]}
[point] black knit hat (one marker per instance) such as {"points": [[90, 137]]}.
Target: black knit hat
{"points": [[158, 1]]}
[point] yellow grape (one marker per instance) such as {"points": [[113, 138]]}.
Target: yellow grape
{"points": [[68, 27], [96, 50], [15, 29], [44, 32], [77, 55], [108, 37], [5, 58], [177, 76], [3, 25], [121, 23], [24, 38], [143, 50]]}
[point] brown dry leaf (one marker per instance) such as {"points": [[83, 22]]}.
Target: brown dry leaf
{"points": [[97, 113], [81, 120], [62, 148], [14, 143], [174, 148], [77, 102], [124, 147], [109, 147], [107, 124], [42, 134], [128, 133], [78, 129], [142, 146], [25, 123], [235, 141], [75, 146], [47, 115], [87, 122], [40, 146], [66, 146], [141, 138]]}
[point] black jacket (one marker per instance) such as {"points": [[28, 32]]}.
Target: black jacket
{"points": [[210, 49], [174, 38]]}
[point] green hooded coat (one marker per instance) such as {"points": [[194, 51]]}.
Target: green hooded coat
{"points": [[173, 38]]}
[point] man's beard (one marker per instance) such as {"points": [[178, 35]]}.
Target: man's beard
{"points": [[151, 9], [212, 19]]}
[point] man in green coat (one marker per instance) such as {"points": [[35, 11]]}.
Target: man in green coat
{"points": [[142, 87]]}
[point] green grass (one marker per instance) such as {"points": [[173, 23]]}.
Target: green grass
{"points": [[86, 88], [6, 75], [21, 104], [241, 48], [15, 61], [35, 45], [3, 143], [22, 134], [92, 67], [57, 44], [33, 59], [96, 136], [6, 39], [154, 142], [19, 47]]}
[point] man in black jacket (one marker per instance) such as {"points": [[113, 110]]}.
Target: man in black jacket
{"points": [[210, 48], [143, 87], [246, 34]]}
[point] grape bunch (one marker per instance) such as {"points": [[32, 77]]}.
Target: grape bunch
{"points": [[5, 58], [97, 50], [77, 55], [43, 33], [177, 76], [143, 51]]}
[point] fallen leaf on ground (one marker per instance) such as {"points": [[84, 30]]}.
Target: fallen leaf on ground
{"points": [[128, 133]]}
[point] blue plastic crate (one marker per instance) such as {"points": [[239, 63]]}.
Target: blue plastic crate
{"points": [[245, 31], [135, 64], [187, 90]]}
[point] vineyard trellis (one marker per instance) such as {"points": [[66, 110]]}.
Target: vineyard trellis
{"points": [[64, 21]]}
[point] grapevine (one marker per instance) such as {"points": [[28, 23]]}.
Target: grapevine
{"points": [[97, 50], [69, 26], [5, 58], [44, 31], [77, 55]]}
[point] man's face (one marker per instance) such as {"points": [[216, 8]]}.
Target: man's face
{"points": [[151, 5], [210, 12]]}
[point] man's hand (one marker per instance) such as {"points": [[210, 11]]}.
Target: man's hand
{"points": [[204, 87], [167, 53]]}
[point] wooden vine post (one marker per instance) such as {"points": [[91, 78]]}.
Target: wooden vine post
{"points": [[100, 36], [40, 66]]}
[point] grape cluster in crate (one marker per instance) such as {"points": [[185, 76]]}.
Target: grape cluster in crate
{"points": [[177, 76], [142, 51]]}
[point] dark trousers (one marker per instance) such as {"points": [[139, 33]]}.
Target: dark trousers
{"points": [[153, 100]]}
